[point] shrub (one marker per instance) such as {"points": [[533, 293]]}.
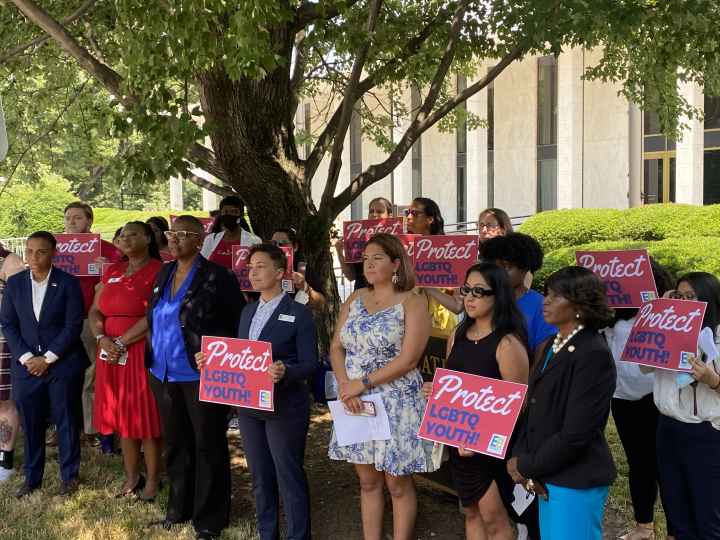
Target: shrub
{"points": [[108, 220], [678, 255], [559, 228]]}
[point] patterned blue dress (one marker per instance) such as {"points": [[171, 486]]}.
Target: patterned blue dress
{"points": [[371, 341]]}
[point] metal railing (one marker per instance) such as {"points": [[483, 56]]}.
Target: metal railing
{"points": [[15, 245]]}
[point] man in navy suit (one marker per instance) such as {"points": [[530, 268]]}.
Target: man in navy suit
{"points": [[41, 317]]}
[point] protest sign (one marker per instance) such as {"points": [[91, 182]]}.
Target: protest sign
{"points": [[240, 267], [665, 334], [77, 254], [626, 274], [408, 242], [357, 233], [476, 413], [442, 261], [236, 373], [207, 222]]}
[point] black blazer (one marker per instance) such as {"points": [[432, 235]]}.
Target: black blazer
{"points": [[211, 306], [561, 435], [59, 327], [291, 331]]}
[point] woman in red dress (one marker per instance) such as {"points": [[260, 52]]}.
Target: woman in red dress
{"points": [[124, 403]]}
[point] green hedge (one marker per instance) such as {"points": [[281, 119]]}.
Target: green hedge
{"points": [[561, 228], [108, 220], [678, 255]]}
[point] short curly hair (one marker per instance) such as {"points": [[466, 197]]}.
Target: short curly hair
{"points": [[586, 291], [517, 249]]}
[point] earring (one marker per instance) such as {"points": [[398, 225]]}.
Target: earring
{"points": [[395, 278], [577, 315]]}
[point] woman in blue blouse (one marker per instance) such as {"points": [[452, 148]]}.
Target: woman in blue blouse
{"points": [[274, 443]]}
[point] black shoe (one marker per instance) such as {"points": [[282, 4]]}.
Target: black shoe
{"points": [[139, 486], [69, 487], [24, 490], [207, 535]]}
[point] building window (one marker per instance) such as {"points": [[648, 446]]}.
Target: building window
{"points": [[356, 207], [416, 152], [461, 151], [308, 130], [547, 134], [711, 162], [658, 162], [491, 144]]}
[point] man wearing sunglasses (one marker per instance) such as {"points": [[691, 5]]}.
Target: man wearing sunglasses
{"points": [[192, 297]]}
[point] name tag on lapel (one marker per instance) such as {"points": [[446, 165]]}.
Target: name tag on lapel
{"points": [[114, 280], [286, 318]]}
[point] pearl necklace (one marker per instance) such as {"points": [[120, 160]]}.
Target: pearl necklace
{"points": [[560, 343]]}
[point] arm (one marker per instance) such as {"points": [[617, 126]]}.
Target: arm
{"points": [[10, 323], [347, 269], [417, 333], [74, 314], [588, 404], [453, 303], [136, 332], [306, 347], [337, 351], [512, 358]]}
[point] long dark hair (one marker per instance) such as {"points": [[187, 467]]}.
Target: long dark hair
{"points": [[506, 317], [162, 226], [432, 210], [153, 249], [707, 289], [582, 288]]}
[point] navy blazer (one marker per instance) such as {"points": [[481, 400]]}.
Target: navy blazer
{"points": [[294, 342], [59, 327]]}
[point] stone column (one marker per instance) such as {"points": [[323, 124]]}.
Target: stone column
{"points": [[570, 129], [689, 164], [176, 193]]}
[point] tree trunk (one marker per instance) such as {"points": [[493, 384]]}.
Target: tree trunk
{"points": [[251, 125]]}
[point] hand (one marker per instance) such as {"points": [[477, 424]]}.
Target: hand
{"points": [[277, 371], [37, 366], [427, 389], [669, 294], [339, 244], [465, 453], [110, 347], [703, 373], [512, 469], [353, 405], [540, 490], [200, 359], [102, 260], [298, 281], [350, 389]]}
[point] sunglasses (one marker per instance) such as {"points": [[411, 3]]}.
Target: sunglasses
{"points": [[414, 213], [180, 235], [475, 292]]}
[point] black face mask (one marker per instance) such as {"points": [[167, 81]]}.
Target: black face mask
{"points": [[229, 222]]}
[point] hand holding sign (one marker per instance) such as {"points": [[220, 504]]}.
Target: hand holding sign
{"points": [[443, 261], [78, 254]]}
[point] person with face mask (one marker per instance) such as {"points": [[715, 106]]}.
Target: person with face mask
{"points": [[227, 233]]}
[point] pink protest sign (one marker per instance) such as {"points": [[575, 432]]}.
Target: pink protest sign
{"points": [[236, 373], [77, 254], [665, 334], [627, 275], [207, 222], [240, 267], [477, 413], [408, 242], [442, 261], [357, 233]]}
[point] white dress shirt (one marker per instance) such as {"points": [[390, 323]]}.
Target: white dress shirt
{"points": [[262, 315], [632, 384], [39, 289]]}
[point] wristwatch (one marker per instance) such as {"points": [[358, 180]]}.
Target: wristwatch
{"points": [[366, 382]]}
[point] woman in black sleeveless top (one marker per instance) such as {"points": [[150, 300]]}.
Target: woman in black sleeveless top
{"points": [[490, 342]]}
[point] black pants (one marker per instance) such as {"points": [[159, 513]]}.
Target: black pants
{"points": [[636, 423], [196, 454], [689, 464]]}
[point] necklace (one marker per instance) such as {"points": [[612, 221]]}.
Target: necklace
{"points": [[559, 342]]}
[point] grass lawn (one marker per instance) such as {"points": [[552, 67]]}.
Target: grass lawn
{"points": [[94, 514]]}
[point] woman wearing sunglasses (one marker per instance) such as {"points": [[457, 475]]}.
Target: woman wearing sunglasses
{"points": [[379, 208], [688, 435], [490, 342], [561, 452]]}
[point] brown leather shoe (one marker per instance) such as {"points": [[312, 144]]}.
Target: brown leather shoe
{"points": [[24, 490], [69, 487]]}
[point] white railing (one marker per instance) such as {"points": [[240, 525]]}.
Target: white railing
{"points": [[16, 245]]}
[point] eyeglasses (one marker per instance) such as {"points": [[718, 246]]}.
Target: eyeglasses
{"points": [[675, 295], [488, 226], [475, 292], [180, 235], [412, 212]]}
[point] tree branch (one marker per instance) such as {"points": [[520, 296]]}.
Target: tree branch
{"points": [[411, 48], [206, 184], [19, 49], [346, 109], [204, 158], [379, 171], [309, 12]]}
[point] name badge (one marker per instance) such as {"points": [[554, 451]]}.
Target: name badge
{"points": [[115, 280], [287, 318]]}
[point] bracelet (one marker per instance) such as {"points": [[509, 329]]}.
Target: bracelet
{"points": [[119, 343], [99, 337]]}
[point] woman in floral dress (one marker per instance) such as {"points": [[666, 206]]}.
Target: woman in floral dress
{"points": [[382, 333]]}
